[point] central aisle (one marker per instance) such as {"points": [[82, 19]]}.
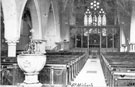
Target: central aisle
{"points": [[91, 75]]}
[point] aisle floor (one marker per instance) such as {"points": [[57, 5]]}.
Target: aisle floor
{"points": [[91, 75]]}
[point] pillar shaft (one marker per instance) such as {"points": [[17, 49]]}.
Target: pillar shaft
{"points": [[132, 28], [122, 40]]}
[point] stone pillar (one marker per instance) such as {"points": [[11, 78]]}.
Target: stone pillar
{"points": [[11, 25], [44, 9], [123, 46], [36, 20], [55, 6], [132, 27]]}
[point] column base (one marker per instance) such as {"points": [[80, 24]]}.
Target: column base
{"points": [[123, 49]]}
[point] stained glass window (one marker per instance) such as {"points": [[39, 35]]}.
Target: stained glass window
{"points": [[95, 15]]}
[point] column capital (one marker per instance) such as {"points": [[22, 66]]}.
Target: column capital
{"points": [[11, 42]]}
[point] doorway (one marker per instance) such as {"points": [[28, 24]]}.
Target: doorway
{"points": [[94, 41]]}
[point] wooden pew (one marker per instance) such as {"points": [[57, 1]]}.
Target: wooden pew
{"points": [[119, 69], [62, 69]]}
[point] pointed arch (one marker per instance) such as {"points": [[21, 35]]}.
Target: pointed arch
{"points": [[37, 18], [20, 16]]}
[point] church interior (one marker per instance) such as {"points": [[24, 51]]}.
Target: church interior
{"points": [[67, 43]]}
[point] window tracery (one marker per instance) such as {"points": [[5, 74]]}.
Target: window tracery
{"points": [[95, 15]]}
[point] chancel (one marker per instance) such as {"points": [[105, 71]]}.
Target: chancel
{"points": [[67, 43]]}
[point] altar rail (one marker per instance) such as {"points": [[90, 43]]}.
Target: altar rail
{"points": [[119, 69], [61, 68]]}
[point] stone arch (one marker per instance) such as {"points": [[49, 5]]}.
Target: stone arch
{"points": [[36, 17], [32, 20], [21, 14], [52, 31], [26, 26]]}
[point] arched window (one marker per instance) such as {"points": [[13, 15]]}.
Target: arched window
{"points": [[94, 15]]}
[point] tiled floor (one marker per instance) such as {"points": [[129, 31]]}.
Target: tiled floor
{"points": [[91, 75]]}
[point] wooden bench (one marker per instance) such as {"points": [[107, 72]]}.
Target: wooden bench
{"points": [[119, 68], [62, 69]]}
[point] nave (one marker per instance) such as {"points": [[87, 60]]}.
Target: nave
{"points": [[91, 75], [112, 69]]}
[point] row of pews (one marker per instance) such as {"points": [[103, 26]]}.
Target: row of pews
{"points": [[61, 68], [119, 69]]}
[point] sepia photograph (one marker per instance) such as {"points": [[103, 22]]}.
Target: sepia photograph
{"points": [[67, 43]]}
